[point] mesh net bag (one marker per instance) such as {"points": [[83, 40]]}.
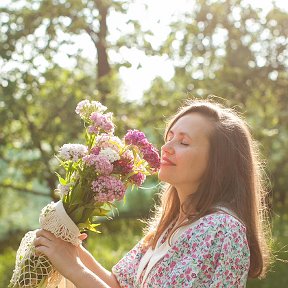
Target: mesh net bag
{"points": [[35, 271]]}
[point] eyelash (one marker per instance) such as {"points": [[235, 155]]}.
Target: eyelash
{"points": [[185, 144]]}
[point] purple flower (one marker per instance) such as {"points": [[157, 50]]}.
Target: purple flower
{"points": [[123, 166], [135, 137], [149, 152], [95, 150], [101, 164], [151, 155], [138, 179], [108, 188]]}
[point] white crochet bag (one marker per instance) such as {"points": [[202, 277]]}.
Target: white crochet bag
{"points": [[32, 271]]}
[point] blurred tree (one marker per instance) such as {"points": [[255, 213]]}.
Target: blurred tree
{"points": [[225, 48], [38, 97], [234, 51]]}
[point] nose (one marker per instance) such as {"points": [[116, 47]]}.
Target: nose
{"points": [[167, 148]]}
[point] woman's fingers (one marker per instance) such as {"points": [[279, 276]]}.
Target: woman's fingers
{"points": [[42, 250], [83, 236], [45, 233], [41, 241]]}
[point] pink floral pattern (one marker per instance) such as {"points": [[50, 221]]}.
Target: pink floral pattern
{"points": [[214, 253]]}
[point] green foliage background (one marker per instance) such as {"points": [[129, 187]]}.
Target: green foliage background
{"points": [[225, 48]]}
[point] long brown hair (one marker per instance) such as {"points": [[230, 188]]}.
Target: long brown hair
{"points": [[233, 179]]}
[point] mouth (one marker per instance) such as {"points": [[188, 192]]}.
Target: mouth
{"points": [[165, 161]]}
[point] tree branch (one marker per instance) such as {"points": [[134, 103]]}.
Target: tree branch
{"points": [[24, 190]]}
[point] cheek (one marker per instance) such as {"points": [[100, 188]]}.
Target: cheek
{"points": [[197, 163], [202, 163]]}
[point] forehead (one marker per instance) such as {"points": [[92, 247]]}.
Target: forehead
{"points": [[192, 124]]}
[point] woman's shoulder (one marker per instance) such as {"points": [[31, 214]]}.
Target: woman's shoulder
{"points": [[222, 220], [209, 233]]}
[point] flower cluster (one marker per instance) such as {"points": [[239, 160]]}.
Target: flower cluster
{"points": [[101, 121], [100, 163], [95, 175], [135, 137], [149, 152], [108, 188], [72, 152], [110, 154], [101, 171], [85, 108]]}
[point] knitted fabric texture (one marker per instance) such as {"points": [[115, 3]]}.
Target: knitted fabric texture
{"points": [[35, 271]]}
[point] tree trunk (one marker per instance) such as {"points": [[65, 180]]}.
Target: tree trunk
{"points": [[103, 67]]}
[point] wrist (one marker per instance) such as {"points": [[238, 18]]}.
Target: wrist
{"points": [[76, 272], [82, 277]]}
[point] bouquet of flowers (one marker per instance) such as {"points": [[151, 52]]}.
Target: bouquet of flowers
{"points": [[96, 174]]}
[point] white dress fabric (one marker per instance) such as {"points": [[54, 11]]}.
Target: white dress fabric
{"points": [[151, 257]]}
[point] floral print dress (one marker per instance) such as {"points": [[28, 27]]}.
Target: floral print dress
{"points": [[211, 252]]}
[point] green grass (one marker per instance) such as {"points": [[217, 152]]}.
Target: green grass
{"points": [[278, 275], [7, 262], [116, 239]]}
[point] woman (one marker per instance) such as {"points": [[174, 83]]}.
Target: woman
{"points": [[210, 228]]}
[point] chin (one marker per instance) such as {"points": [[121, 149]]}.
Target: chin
{"points": [[165, 177]]}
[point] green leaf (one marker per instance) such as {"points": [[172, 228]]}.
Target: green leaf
{"points": [[61, 179]]}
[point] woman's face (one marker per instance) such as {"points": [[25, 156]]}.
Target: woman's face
{"points": [[184, 156]]}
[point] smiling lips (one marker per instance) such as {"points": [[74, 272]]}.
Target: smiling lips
{"points": [[165, 161]]}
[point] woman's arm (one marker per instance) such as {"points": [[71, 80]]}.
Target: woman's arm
{"points": [[89, 261], [74, 263]]}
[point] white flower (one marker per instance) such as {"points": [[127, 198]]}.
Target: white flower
{"points": [[63, 189], [108, 141], [72, 152], [85, 108], [128, 155], [110, 154]]}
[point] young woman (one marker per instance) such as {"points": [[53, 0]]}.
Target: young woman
{"points": [[210, 229]]}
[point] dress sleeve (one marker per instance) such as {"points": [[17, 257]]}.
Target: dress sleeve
{"points": [[126, 269], [233, 263]]}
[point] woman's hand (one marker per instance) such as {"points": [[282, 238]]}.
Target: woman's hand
{"points": [[64, 256], [74, 263]]}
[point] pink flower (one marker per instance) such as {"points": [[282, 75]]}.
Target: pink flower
{"points": [[135, 137], [138, 179], [108, 188], [101, 121], [151, 155], [173, 263], [95, 150], [123, 166], [101, 164], [188, 271]]}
